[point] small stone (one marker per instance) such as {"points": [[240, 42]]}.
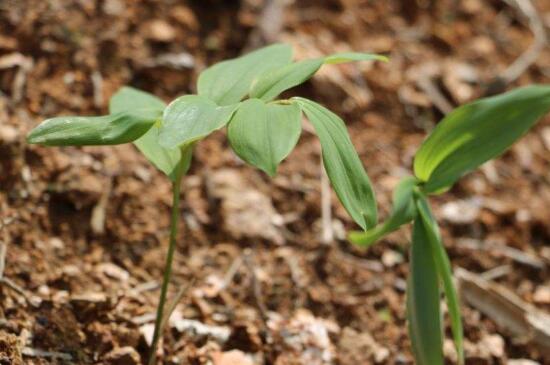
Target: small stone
{"points": [[113, 271], [495, 345], [161, 31], [113, 7], [44, 290], [147, 331], [56, 243], [8, 134], [521, 362], [381, 354], [94, 298], [461, 211], [71, 270], [390, 258], [233, 357], [542, 295], [123, 356]]}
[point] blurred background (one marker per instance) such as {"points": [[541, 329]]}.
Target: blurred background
{"points": [[264, 272]]}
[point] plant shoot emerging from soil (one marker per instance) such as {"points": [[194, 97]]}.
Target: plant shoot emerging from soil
{"points": [[466, 138], [239, 94]]}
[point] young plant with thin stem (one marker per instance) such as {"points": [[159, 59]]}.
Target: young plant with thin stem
{"points": [[466, 138], [239, 94]]}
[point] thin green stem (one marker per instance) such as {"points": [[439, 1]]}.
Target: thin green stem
{"points": [[168, 265]]}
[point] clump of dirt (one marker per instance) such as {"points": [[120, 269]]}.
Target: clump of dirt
{"points": [[10, 349]]}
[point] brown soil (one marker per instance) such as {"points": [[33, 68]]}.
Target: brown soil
{"points": [[87, 228]]}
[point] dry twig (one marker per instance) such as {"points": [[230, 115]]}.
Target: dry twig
{"points": [[507, 310]]}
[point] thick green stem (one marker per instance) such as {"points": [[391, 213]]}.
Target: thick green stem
{"points": [[168, 265]]}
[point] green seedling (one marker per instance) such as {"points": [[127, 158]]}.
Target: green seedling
{"points": [[466, 138], [239, 94]]}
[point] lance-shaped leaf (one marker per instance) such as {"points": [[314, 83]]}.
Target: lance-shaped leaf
{"points": [[423, 308], [403, 211], [264, 134], [343, 166], [477, 132], [270, 84], [444, 271], [112, 129], [190, 118], [229, 81], [128, 98]]}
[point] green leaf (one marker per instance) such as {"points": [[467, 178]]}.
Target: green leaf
{"points": [[164, 159], [344, 168], [353, 56], [423, 308], [112, 129], [264, 134], [229, 81], [190, 118], [270, 84], [477, 132], [403, 211], [129, 99], [443, 266]]}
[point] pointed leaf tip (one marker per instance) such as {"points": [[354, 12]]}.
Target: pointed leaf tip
{"points": [[477, 132], [403, 211], [344, 167], [112, 129], [264, 134]]}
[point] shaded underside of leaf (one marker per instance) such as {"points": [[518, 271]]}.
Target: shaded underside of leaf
{"points": [[164, 159], [423, 307], [229, 81], [443, 266], [477, 132], [264, 134], [403, 211], [190, 118], [344, 168]]}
